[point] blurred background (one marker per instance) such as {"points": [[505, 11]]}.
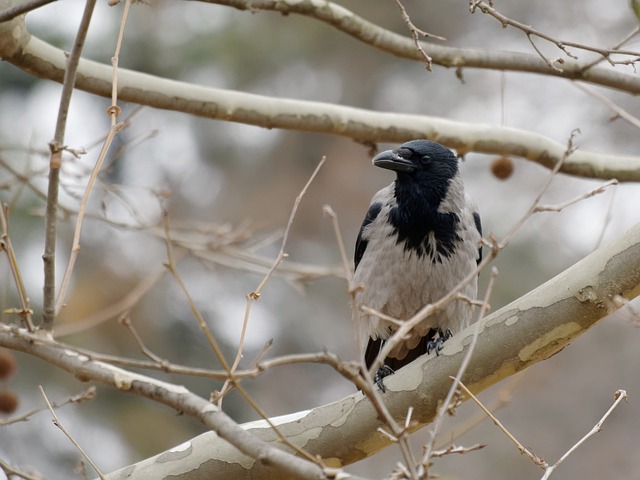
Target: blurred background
{"points": [[230, 188]]}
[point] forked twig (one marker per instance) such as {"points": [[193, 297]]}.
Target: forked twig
{"points": [[170, 265], [567, 203], [88, 394], [364, 382], [5, 244], [456, 449], [487, 8], [416, 33], [255, 295], [10, 472], [437, 423], [125, 321], [113, 112], [619, 396]]}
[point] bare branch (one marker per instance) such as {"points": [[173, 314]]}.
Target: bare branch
{"points": [[14, 472], [56, 147], [416, 33], [456, 449], [255, 295], [113, 112], [521, 334], [88, 394], [447, 402], [272, 458], [5, 245], [371, 34], [43, 60], [487, 8], [619, 396], [561, 206], [24, 7]]}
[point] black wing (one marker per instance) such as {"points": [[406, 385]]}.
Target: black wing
{"points": [[361, 245], [478, 222]]}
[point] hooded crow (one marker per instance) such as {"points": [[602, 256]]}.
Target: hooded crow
{"points": [[419, 239]]}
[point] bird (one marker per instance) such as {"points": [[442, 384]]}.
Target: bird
{"points": [[420, 238]]}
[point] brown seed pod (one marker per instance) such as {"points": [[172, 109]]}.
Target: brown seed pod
{"points": [[7, 364], [502, 167], [8, 401]]}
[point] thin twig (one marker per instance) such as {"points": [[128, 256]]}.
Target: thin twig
{"points": [[75, 249], [488, 9], [616, 109], [456, 449], [88, 394], [567, 203], [126, 322], [503, 398], [113, 112], [364, 382], [416, 33], [255, 295], [57, 423], [607, 219], [627, 37], [11, 472], [619, 396], [171, 266], [56, 146], [437, 423], [346, 264], [5, 244], [218, 352], [521, 448]]}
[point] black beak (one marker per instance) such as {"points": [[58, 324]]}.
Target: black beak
{"points": [[391, 161]]}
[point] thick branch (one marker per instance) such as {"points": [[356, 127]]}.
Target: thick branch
{"points": [[274, 461], [41, 59], [529, 330]]}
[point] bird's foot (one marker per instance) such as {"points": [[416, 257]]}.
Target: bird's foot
{"points": [[436, 344], [383, 371]]}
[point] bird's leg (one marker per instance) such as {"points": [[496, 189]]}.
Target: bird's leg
{"points": [[436, 345], [383, 371]]}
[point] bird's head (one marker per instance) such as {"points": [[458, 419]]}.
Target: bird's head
{"points": [[419, 160]]}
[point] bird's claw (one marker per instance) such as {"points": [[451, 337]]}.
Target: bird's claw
{"points": [[383, 371], [436, 345]]}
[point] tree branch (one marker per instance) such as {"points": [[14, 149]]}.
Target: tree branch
{"points": [[24, 7], [56, 146], [43, 60], [450, 57], [530, 329], [527, 331]]}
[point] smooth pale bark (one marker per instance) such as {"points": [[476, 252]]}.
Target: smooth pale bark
{"points": [[528, 330], [41, 59]]}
